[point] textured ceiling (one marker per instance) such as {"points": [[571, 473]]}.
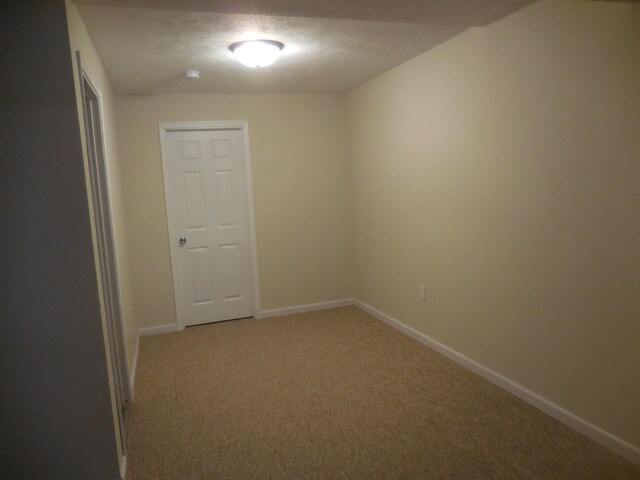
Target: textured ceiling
{"points": [[330, 45], [450, 12]]}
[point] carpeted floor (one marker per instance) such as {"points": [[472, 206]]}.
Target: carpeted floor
{"points": [[336, 394]]}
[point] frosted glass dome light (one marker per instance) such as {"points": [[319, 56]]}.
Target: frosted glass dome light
{"points": [[257, 53]]}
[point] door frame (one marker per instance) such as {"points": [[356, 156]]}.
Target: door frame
{"points": [[243, 127], [107, 255]]}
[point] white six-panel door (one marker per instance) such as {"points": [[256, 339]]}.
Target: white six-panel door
{"points": [[208, 214]]}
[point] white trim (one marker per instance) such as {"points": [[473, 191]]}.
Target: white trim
{"points": [[570, 419], [169, 328], [86, 75], [134, 368], [104, 243], [123, 467], [243, 126], [277, 312]]}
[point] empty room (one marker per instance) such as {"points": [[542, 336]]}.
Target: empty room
{"points": [[316, 239]]}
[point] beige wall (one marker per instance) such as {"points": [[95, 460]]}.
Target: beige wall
{"points": [[501, 169], [298, 155], [91, 63]]}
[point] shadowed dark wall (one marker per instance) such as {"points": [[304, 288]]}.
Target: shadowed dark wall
{"points": [[55, 406]]}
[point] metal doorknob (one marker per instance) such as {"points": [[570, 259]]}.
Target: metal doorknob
{"points": [[182, 241]]}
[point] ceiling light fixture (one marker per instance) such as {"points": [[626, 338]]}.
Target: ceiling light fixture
{"points": [[192, 74], [257, 53]]}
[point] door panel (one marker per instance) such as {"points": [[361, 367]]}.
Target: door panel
{"points": [[201, 273], [194, 191], [207, 204], [223, 185]]}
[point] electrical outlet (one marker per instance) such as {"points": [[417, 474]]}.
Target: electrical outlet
{"points": [[423, 293]]}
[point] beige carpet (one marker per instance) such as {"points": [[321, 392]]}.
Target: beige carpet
{"points": [[336, 395]]}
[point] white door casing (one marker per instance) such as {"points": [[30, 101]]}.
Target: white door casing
{"points": [[207, 176], [105, 250]]}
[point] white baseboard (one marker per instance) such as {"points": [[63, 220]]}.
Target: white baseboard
{"points": [[123, 467], [277, 312], [579, 424], [170, 327]]}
